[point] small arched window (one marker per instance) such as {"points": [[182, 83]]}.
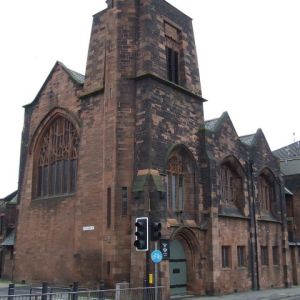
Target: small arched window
{"points": [[266, 192], [56, 159], [231, 186]]}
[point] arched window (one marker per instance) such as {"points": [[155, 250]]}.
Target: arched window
{"points": [[266, 191], [180, 180], [231, 184], [56, 159], [175, 183]]}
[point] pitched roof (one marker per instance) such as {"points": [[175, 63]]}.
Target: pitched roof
{"points": [[248, 139], [288, 152], [11, 198], [211, 124], [214, 124], [77, 77]]}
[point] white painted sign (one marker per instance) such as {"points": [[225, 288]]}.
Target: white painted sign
{"points": [[88, 228]]}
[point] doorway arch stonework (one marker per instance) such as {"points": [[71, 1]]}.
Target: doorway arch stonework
{"points": [[185, 241]]}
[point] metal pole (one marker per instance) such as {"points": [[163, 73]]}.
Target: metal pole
{"points": [[156, 276], [147, 268], [11, 291], [75, 290], [44, 290]]}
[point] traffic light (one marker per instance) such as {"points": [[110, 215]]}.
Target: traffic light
{"points": [[155, 231], [141, 234]]}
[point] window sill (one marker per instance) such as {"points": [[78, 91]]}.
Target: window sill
{"points": [[265, 218], [232, 215], [171, 84], [54, 197]]}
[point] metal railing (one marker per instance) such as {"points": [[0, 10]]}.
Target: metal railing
{"points": [[147, 293]]}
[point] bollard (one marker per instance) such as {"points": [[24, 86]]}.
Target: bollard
{"points": [[101, 288], [11, 291], [44, 290], [145, 289], [75, 290]]}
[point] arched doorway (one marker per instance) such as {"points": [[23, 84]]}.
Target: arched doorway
{"points": [[178, 269]]}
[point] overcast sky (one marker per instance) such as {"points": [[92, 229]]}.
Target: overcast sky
{"points": [[248, 54]]}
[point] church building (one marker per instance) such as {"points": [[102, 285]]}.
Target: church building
{"points": [[128, 139]]}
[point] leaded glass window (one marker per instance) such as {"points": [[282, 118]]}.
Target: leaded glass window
{"points": [[266, 194], [57, 159], [231, 186], [175, 183]]}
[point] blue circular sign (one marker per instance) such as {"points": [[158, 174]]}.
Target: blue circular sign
{"points": [[156, 256]]}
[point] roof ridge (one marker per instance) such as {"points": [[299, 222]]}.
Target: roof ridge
{"points": [[76, 76]]}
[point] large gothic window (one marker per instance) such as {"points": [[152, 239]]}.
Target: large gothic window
{"points": [[56, 164]]}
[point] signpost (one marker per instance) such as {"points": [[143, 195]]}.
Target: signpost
{"points": [[165, 249], [156, 257], [146, 230], [88, 228]]}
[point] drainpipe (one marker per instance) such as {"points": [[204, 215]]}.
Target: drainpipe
{"points": [[251, 225], [255, 269], [284, 230]]}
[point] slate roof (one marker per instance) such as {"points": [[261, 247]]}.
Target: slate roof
{"points": [[11, 198], [9, 239], [291, 151], [77, 77], [214, 124], [247, 139], [211, 124]]}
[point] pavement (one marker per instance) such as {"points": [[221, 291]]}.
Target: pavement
{"points": [[292, 293]]}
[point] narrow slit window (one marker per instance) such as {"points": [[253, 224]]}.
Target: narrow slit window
{"points": [[172, 65], [180, 192], [275, 251], [124, 201], [226, 259], [264, 255], [241, 255]]}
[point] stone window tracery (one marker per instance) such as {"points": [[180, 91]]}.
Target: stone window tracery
{"points": [[175, 183], [266, 194], [231, 186], [180, 182], [57, 159]]}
